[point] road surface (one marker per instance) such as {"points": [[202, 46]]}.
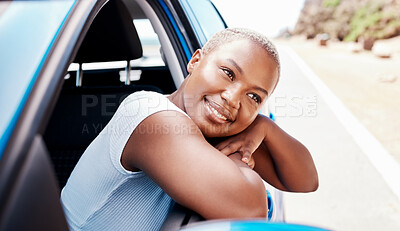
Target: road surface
{"points": [[353, 194]]}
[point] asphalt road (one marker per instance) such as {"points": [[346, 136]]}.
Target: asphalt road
{"points": [[353, 194]]}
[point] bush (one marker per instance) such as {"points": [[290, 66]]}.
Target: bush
{"points": [[331, 3], [364, 18]]}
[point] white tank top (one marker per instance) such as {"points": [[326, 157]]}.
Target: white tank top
{"points": [[100, 193]]}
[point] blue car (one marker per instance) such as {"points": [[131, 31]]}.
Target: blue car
{"points": [[64, 68]]}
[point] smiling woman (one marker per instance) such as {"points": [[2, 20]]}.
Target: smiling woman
{"points": [[126, 179], [142, 145], [232, 82]]}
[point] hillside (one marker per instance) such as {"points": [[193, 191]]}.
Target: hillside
{"points": [[350, 20]]}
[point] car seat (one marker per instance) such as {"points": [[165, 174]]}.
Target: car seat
{"points": [[83, 110]]}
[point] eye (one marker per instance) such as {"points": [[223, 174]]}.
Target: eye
{"points": [[255, 97], [228, 72]]}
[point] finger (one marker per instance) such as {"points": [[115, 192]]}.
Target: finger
{"points": [[251, 163], [230, 148], [223, 144], [246, 156]]}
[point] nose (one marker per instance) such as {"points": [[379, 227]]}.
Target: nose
{"points": [[232, 97]]}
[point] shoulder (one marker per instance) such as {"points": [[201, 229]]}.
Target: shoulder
{"points": [[147, 103]]}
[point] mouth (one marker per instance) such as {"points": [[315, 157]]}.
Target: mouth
{"points": [[217, 113]]}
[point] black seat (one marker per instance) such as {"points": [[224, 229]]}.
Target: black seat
{"points": [[79, 116], [82, 112], [111, 37]]}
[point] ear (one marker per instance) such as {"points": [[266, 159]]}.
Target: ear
{"points": [[194, 61]]}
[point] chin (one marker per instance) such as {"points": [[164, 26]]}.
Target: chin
{"points": [[214, 132]]}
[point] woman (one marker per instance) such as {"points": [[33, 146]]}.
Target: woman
{"points": [[158, 147]]}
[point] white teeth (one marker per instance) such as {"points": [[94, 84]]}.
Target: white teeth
{"points": [[216, 113]]}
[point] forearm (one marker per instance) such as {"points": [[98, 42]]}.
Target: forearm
{"points": [[291, 161]]}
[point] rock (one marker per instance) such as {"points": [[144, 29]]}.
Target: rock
{"points": [[367, 43], [388, 78], [322, 39], [354, 47], [381, 50]]}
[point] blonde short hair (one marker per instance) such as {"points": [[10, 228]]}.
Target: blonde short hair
{"points": [[234, 34]]}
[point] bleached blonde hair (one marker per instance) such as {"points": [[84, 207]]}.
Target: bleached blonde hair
{"points": [[234, 34]]}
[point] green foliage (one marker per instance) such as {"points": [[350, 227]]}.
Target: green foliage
{"points": [[364, 18], [331, 3]]}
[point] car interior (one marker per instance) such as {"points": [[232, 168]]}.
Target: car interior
{"points": [[114, 60], [89, 97]]}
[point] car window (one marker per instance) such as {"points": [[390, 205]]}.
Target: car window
{"points": [[204, 18], [150, 44], [151, 54]]}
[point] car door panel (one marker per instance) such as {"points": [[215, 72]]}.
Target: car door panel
{"points": [[33, 202]]}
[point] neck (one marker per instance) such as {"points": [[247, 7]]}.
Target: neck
{"points": [[177, 96]]}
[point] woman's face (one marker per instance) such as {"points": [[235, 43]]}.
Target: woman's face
{"points": [[227, 87]]}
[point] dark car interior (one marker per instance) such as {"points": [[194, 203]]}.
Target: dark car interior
{"points": [[88, 99]]}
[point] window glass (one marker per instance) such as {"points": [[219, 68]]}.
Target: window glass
{"points": [[150, 43], [151, 51], [204, 18]]}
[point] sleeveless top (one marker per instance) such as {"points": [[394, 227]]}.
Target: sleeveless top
{"points": [[100, 193]]}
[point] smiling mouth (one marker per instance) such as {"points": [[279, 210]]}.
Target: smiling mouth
{"points": [[217, 114]]}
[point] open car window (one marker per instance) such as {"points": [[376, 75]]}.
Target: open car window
{"points": [[116, 58]]}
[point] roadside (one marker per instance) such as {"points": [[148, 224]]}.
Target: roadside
{"points": [[353, 194], [366, 84]]}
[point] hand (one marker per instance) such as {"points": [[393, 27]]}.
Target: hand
{"points": [[245, 143], [236, 157]]}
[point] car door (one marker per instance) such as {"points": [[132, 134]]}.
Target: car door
{"points": [[201, 18], [37, 41], [28, 191]]}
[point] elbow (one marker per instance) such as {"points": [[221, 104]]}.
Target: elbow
{"points": [[311, 185], [259, 211], [315, 185], [256, 207], [248, 201], [256, 203], [312, 182], [246, 204]]}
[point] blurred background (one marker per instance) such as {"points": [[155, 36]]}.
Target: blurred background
{"points": [[338, 94]]}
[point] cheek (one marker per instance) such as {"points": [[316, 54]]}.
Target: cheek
{"points": [[244, 119], [211, 77]]}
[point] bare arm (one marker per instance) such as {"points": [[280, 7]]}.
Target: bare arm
{"points": [[280, 159], [293, 164], [191, 171]]}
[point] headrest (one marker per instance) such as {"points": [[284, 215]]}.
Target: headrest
{"points": [[111, 37]]}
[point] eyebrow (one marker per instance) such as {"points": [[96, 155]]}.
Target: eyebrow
{"points": [[262, 90], [236, 65], [241, 72]]}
